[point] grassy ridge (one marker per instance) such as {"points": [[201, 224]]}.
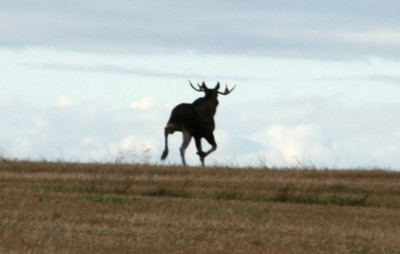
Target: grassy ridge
{"points": [[118, 208]]}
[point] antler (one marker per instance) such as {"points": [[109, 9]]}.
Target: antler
{"points": [[200, 89], [227, 91]]}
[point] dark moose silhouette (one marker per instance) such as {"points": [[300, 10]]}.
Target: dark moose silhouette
{"points": [[195, 120]]}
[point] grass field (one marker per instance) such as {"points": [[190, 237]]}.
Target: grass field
{"points": [[117, 208]]}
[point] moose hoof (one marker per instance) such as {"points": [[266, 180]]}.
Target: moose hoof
{"points": [[164, 155]]}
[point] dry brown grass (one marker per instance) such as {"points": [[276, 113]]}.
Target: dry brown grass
{"points": [[111, 208]]}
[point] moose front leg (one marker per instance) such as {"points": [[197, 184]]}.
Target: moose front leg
{"points": [[200, 152], [211, 140]]}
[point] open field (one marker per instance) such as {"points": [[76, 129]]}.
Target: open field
{"points": [[116, 208]]}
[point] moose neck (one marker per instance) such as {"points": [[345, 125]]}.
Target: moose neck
{"points": [[207, 104], [211, 98], [212, 103]]}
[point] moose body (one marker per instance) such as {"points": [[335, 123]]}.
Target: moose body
{"points": [[195, 120]]}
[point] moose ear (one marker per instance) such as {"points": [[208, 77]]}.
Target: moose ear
{"points": [[217, 87], [204, 85]]}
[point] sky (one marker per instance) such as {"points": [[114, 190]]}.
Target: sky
{"points": [[318, 82]]}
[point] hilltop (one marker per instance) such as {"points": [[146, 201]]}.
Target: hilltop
{"points": [[59, 207]]}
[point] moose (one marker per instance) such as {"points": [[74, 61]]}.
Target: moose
{"points": [[195, 120]]}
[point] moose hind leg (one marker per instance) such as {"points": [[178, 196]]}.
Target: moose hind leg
{"points": [[170, 129], [165, 153], [166, 132], [186, 141]]}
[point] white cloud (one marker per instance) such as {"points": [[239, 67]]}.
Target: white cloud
{"points": [[145, 103], [91, 142], [294, 143], [135, 143], [134, 149], [37, 124], [64, 101]]}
